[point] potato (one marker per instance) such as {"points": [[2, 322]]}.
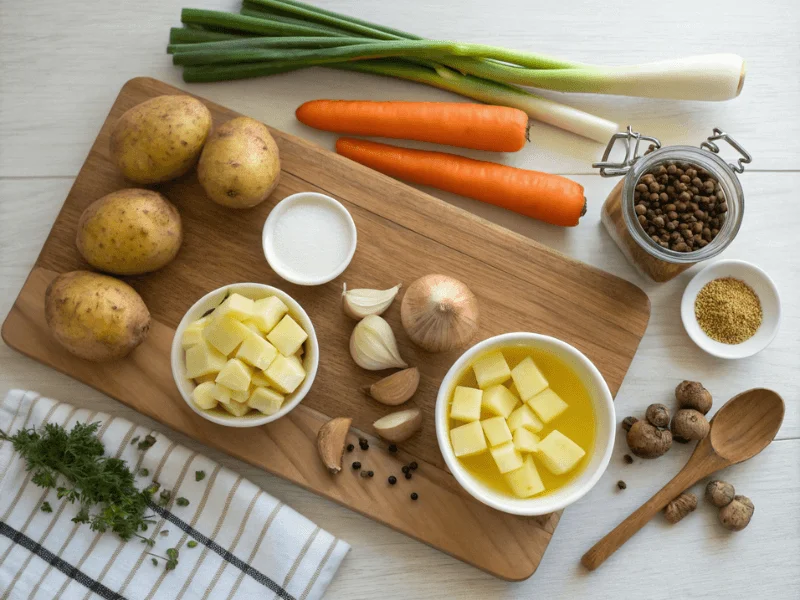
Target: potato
{"points": [[239, 166], [160, 139], [95, 316], [129, 232]]}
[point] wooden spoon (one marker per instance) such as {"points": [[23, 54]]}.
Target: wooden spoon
{"points": [[742, 428]]}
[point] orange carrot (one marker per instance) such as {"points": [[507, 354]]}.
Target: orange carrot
{"points": [[549, 198], [476, 126]]}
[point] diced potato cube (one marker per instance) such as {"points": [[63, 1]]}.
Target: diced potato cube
{"points": [[528, 380], [259, 379], [491, 370], [203, 396], [525, 441], [507, 457], [237, 409], [524, 417], [235, 375], [267, 312], [559, 453], [193, 334], [203, 378], [287, 336], [222, 394], [497, 400], [496, 430], [203, 359], [252, 326], [257, 351], [236, 307], [241, 396], [285, 375], [512, 388], [225, 334], [548, 405], [468, 439], [525, 481], [466, 404], [265, 400]]}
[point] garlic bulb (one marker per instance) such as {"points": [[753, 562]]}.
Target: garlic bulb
{"points": [[439, 313], [373, 345], [361, 303]]}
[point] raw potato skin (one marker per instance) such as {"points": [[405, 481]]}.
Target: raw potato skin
{"points": [[160, 139], [239, 166], [95, 316], [129, 232]]}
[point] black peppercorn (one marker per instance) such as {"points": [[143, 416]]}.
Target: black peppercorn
{"points": [[622, 485], [350, 447], [370, 473], [408, 475], [628, 459], [414, 495], [356, 466], [413, 465], [405, 469], [363, 444], [392, 479], [392, 448]]}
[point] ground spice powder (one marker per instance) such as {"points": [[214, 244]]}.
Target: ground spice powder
{"points": [[728, 310]]}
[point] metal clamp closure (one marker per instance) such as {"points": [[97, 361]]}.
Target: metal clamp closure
{"points": [[721, 135], [631, 139]]}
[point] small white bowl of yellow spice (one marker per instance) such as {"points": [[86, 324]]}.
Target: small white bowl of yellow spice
{"points": [[244, 355], [731, 309]]}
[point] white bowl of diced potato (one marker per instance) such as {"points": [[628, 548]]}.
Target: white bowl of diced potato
{"points": [[520, 402], [244, 355]]}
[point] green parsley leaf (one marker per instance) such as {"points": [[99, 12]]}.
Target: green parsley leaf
{"points": [[46, 507]]}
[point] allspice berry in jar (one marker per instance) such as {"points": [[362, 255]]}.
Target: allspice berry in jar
{"points": [[675, 206]]}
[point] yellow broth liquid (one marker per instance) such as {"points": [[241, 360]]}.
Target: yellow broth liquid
{"points": [[577, 422]]}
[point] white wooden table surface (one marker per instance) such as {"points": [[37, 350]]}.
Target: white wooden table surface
{"points": [[62, 63]]}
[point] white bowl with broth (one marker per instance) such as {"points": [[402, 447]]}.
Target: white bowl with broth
{"points": [[213, 299], [564, 366]]}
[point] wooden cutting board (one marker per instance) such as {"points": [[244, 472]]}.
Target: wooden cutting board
{"points": [[403, 234]]}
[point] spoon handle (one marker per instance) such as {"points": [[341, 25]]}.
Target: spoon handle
{"points": [[625, 530]]}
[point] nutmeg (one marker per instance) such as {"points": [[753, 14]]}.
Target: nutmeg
{"points": [[680, 507], [689, 424], [692, 394], [647, 441]]}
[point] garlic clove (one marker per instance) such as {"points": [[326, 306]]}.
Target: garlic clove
{"points": [[399, 426], [439, 313], [361, 303], [395, 389], [373, 345], [330, 442]]}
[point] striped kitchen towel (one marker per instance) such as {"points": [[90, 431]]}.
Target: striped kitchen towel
{"points": [[249, 545]]}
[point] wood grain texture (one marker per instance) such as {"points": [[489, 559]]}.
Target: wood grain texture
{"points": [[403, 234]]}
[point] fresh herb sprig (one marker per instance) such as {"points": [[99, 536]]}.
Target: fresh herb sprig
{"points": [[72, 462]]}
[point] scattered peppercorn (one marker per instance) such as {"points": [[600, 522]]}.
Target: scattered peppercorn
{"points": [[408, 475], [363, 443], [728, 310], [622, 485], [680, 206], [392, 448], [350, 447], [405, 469], [413, 466], [191, 544], [144, 472], [46, 507], [363, 473], [370, 473], [182, 501], [392, 479], [199, 475], [356, 466], [628, 459], [414, 495]]}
